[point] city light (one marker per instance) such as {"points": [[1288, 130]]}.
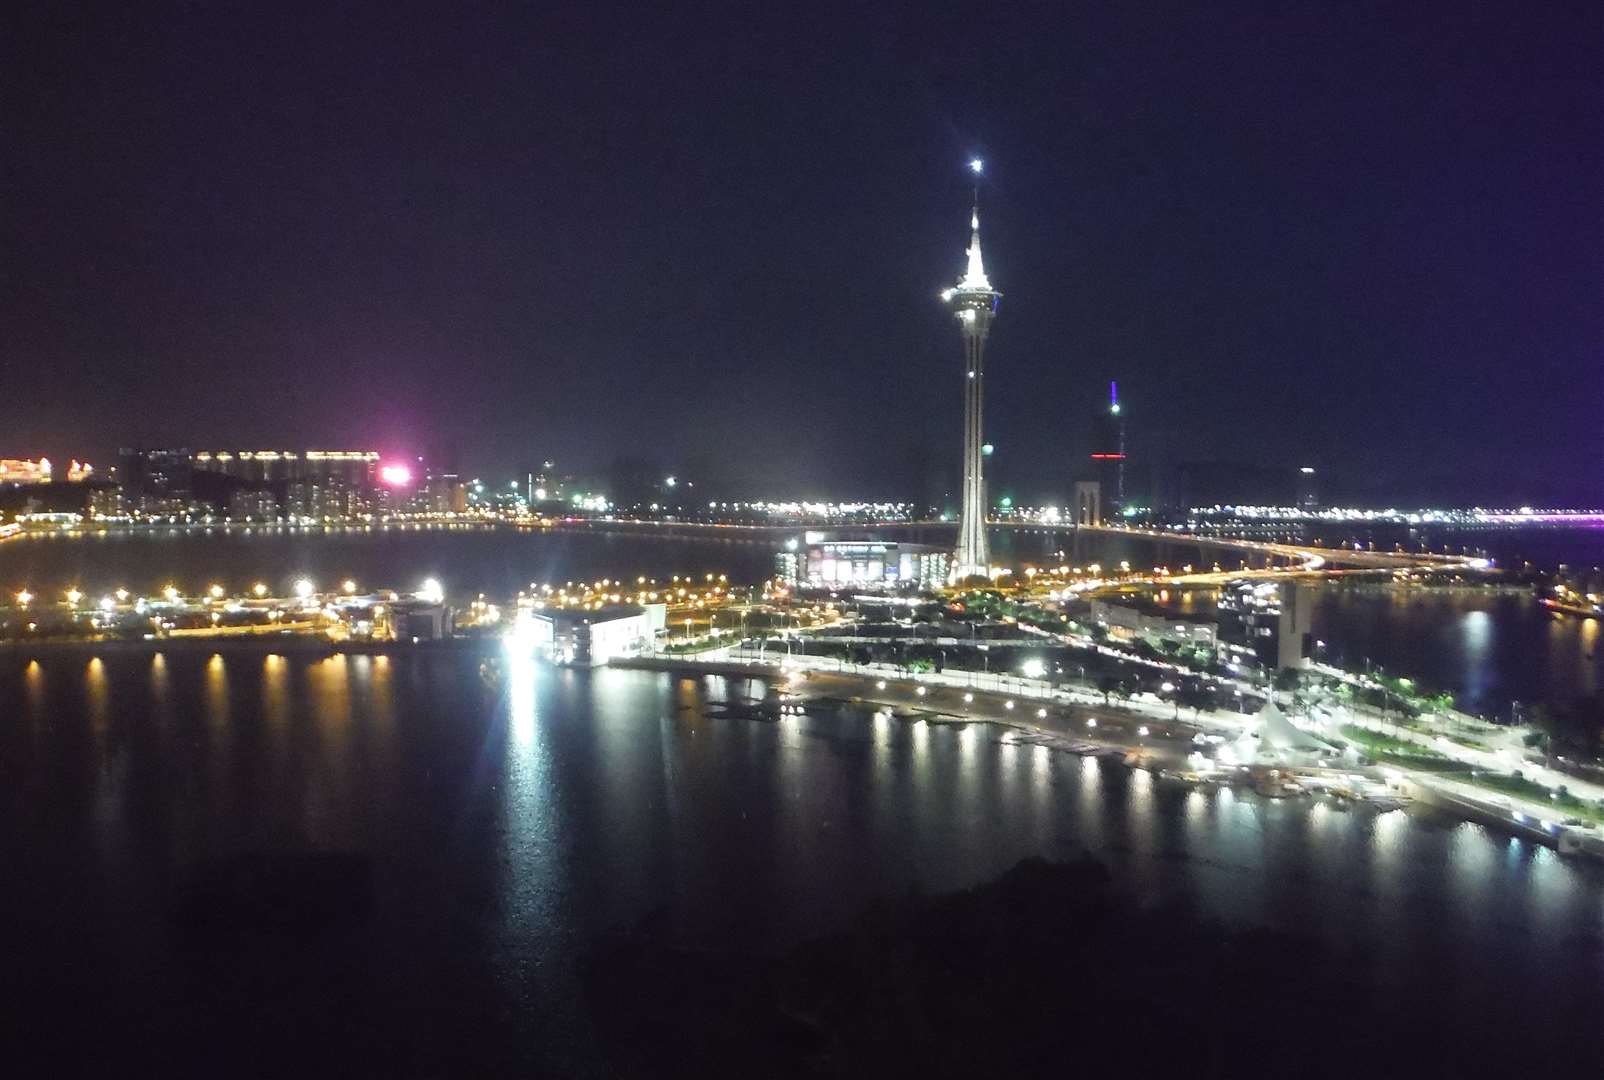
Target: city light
{"points": [[73, 596], [24, 598], [348, 586], [216, 592], [432, 591], [396, 475], [303, 588], [259, 589], [976, 166]]}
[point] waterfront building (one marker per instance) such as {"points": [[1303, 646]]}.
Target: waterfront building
{"points": [[310, 483], [1271, 739], [593, 637], [421, 620], [107, 501], [29, 471], [320, 500], [24, 471], [356, 469], [443, 493], [1268, 623], [1130, 619], [974, 302], [820, 562], [252, 504], [162, 476]]}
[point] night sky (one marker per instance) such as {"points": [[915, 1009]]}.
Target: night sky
{"points": [[1367, 237]]}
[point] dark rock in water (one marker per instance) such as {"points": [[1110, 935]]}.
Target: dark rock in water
{"points": [[768, 710], [300, 891]]}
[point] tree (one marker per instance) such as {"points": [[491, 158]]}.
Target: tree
{"points": [[1575, 727], [1194, 695]]}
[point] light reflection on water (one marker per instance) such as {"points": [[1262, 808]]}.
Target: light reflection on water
{"points": [[546, 805], [1487, 648]]}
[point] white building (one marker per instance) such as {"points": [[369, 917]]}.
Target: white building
{"points": [[1130, 621], [818, 563], [590, 638], [1272, 739]]}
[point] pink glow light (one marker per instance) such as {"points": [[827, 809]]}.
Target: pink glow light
{"points": [[396, 475]]}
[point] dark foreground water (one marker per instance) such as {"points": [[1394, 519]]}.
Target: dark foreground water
{"points": [[498, 826]]}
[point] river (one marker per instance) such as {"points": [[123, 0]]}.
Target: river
{"points": [[509, 820]]}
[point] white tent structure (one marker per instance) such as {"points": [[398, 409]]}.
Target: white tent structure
{"points": [[1272, 739]]}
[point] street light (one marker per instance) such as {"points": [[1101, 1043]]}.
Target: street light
{"points": [[259, 589], [303, 589]]}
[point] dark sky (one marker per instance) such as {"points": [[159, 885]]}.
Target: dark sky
{"points": [[1365, 236]]}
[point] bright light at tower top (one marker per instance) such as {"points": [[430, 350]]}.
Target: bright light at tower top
{"points": [[976, 166]]}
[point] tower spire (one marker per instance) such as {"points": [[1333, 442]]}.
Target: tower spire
{"points": [[975, 272]]}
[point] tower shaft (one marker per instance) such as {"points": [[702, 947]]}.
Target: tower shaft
{"points": [[973, 556]]}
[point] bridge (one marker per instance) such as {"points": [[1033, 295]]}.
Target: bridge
{"points": [[1307, 556]]}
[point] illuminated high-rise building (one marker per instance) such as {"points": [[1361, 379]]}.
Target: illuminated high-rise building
{"points": [[1307, 495], [974, 302], [1108, 452]]}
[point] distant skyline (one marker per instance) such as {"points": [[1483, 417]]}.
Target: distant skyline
{"points": [[1365, 238]]}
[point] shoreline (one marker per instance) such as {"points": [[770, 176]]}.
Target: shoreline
{"points": [[1157, 745], [1161, 752]]}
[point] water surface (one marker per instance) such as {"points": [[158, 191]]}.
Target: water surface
{"points": [[508, 821]]}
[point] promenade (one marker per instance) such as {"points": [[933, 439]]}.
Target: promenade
{"points": [[1153, 729]]}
